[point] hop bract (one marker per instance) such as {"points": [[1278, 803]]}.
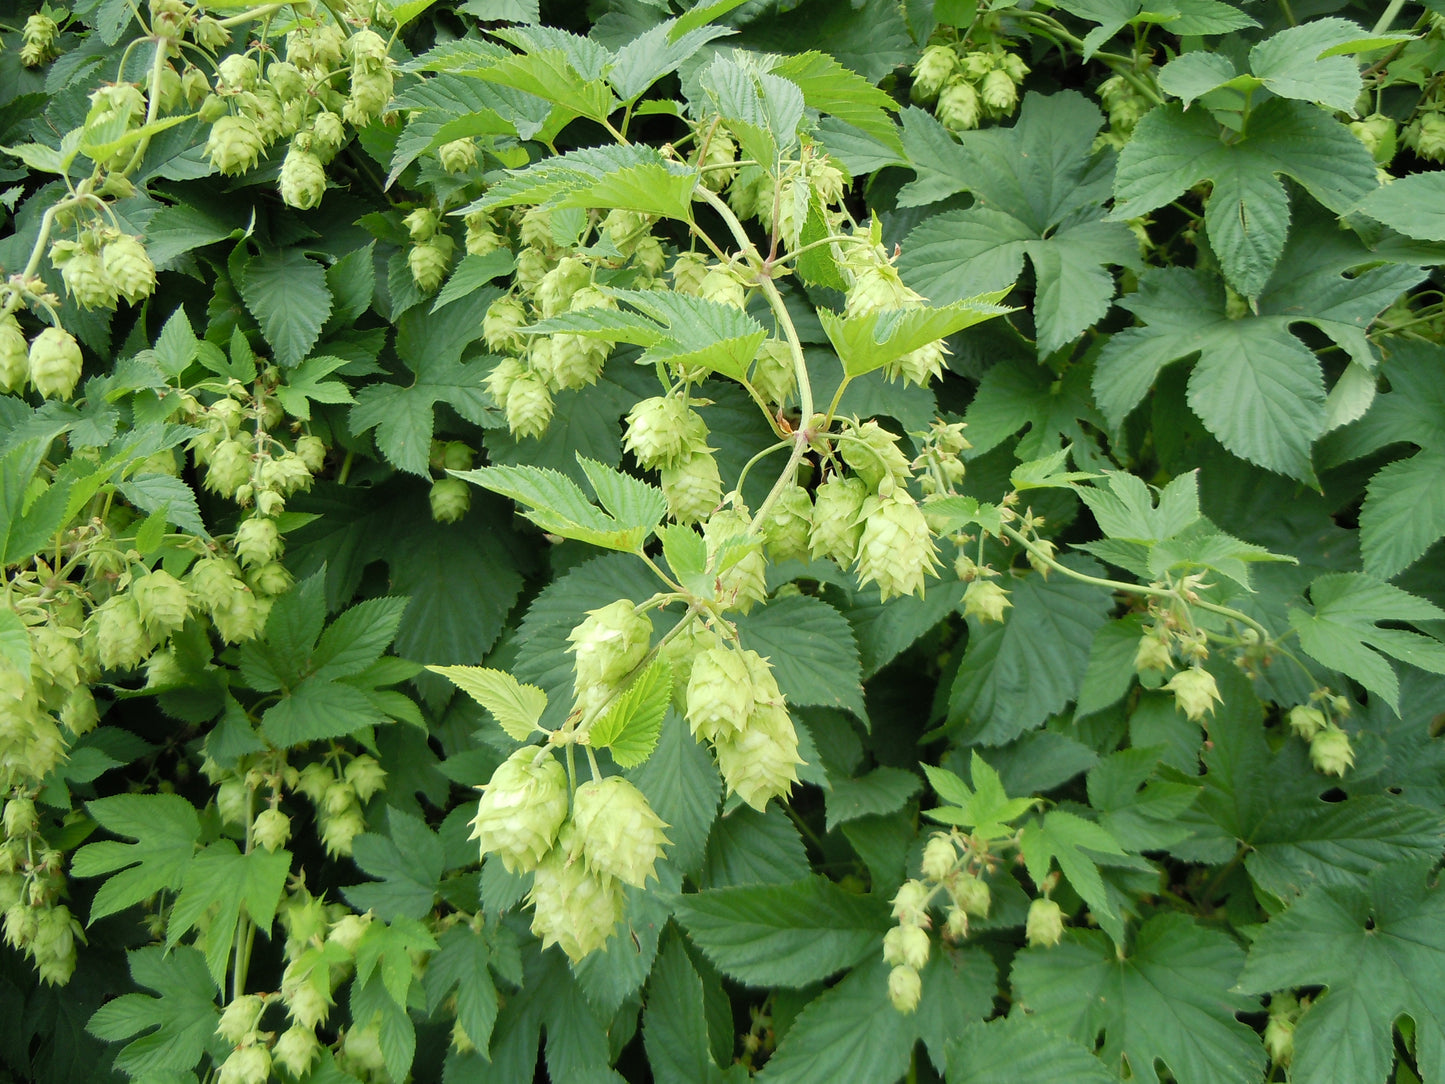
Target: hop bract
{"points": [[896, 550], [617, 832], [521, 810]]}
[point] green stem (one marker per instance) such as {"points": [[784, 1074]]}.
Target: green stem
{"points": [[769, 450], [832, 239], [247, 16], [837, 398], [1388, 16]]}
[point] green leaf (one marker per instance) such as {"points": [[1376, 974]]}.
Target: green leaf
{"points": [[1344, 631], [656, 52], [686, 555], [632, 725], [674, 1023], [751, 848], [27, 521], [317, 710], [1256, 387], [681, 783], [1110, 671], [184, 1014], [1303, 62], [1169, 999], [557, 504], [307, 383], [462, 964], [1017, 1048], [168, 495], [849, 1032], [287, 294], [1015, 675], [1014, 395], [1410, 205], [1039, 192], [1182, 17], [632, 178], [357, 638], [165, 828], [1247, 216], [549, 74], [811, 648], [882, 790], [1380, 949], [472, 274], [407, 864], [1403, 514], [783, 935], [223, 878], [515, 706], [431, 345], [959, 986], [14, 641]]}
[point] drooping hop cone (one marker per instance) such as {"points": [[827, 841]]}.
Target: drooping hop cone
{"points": [[521, 810], [618, 833], [609, 643], [762, 761], [573, 906]]}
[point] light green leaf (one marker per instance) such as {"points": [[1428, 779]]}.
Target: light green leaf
{"points": [[633, 723], [1169, 999], [14, 641], [829, 87], [287, 294], [169, 495], [165, 828], [783, 935], [871, 340], [1066, 838], [1124, 506], [557, 504], [357, 638], [516, 707], [656, 52], [224, 878], [686, 555]]}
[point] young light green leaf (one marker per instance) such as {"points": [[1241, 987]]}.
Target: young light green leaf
{"points": [[165, 828], [557, 504], [515, 706], [224, 878], [631, 726], [871, 340]]}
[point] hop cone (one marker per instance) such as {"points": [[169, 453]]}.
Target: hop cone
{"points": [[609, 643], [836, 524], [129, 269], [616, 830], [693, 488], [573, 907], [896, 550], [762, 761], [521, 810], [719, 693]]}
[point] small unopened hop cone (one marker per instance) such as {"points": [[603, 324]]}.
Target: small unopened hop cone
{"points": [[521, 810]]}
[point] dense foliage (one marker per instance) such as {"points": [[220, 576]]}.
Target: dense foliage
{"points": [[922, 519]]}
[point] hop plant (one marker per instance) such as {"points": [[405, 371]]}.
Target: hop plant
{"points": [[528, 405], [235, 144], [874, 455], [896, 550], [120, 637], [906, 945], [719, 693], [83, 273], [162, 602], [572, 906], [789, 524], [54, 363], [450, 498], [521, 810], [1331, 752], [617, 833], [774, 375], [662, 431], [128, 268], [1044, 926], [1195, 692], [14, 355], [837, 523], [38, 40], [959, 105], [303, 179], [738, 558], [693, 488], [985, 600], [458, 156], [429, 261], [609, 644], [905, 988], [762, 761]]}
